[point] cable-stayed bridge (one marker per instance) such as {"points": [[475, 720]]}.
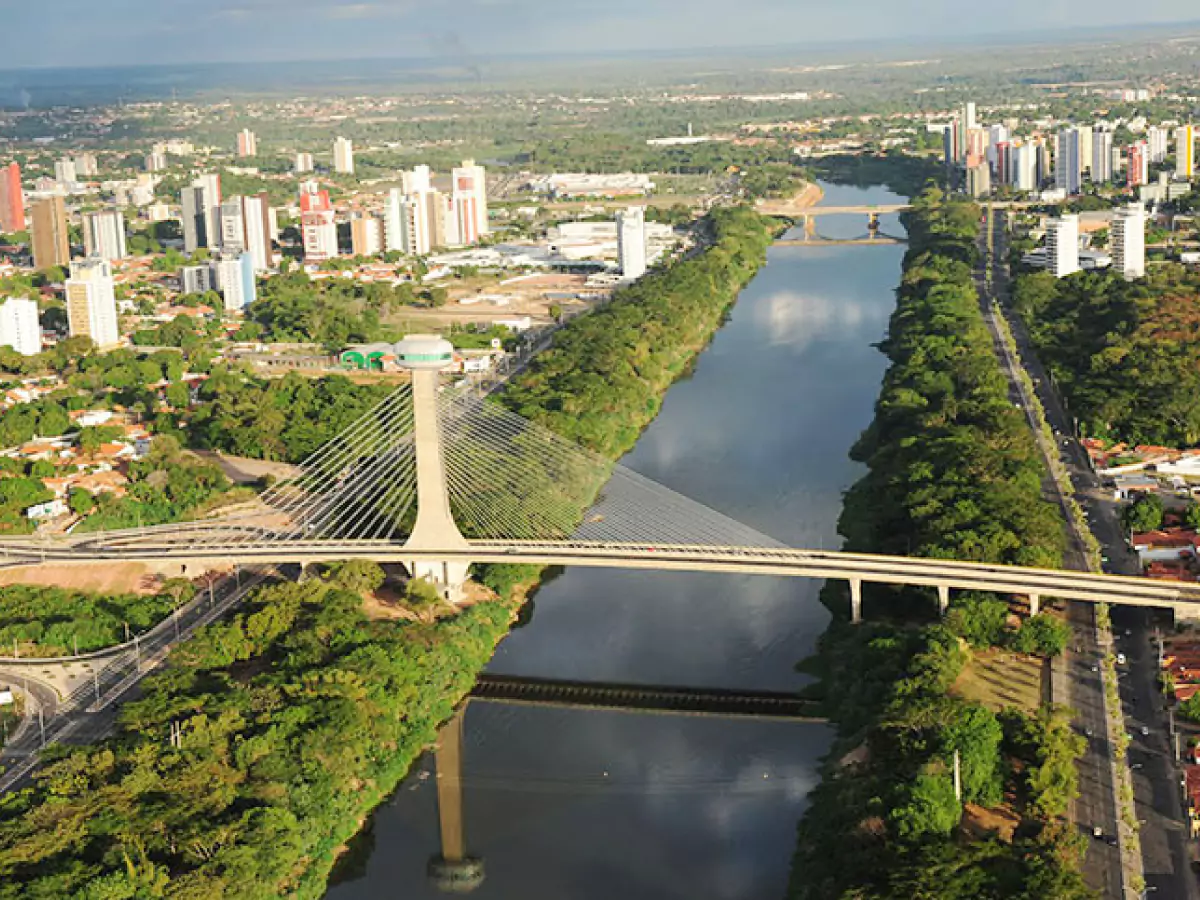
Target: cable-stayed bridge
{"points": [[438, 479]]}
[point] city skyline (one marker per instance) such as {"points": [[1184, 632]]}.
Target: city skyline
{"points": [[122, 32]]}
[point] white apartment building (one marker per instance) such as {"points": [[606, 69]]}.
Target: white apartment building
{"points": [[343, 156], [304, 163], [631, 241], [1062, 245], [19, 327], [1068, 160], [1102, 156], [92, 302], [104, 234], [1129, 241], [1185, 152]]}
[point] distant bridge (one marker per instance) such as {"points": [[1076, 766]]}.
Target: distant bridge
{"points": [[882, 240], [519, 690]]}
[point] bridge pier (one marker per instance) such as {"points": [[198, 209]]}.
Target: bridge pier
{"points": [[943, 591], [855, 600], [452, 871]]}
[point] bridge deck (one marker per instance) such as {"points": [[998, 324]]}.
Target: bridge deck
{"points": [[656, 698]]}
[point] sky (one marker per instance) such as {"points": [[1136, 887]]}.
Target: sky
{"points": [[113, 32]]}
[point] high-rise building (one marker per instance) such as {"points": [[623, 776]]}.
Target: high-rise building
{"points": [[950, 143], [19, 327], [1102, 153], [50, 237], [393, 221], [92, 302], [979, 180], [366, 235], [257, 213], [1085, 151], [1129, 241], [247, 143], [64, 171], [1157, 140], [155, 162], [1062, 245], [1068, 160], [86, 165], [104, 234], [318, 226], [1138, 170], [1185, 152], [631, 241], [417, 216], [304, 163], [233, 226], [235, 280], [968, 115], [202, 213], [468, 199], [12, 199], [197, 279], [1024, 167], [343, 156]]}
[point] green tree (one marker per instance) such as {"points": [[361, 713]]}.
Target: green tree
{"points": [[979, 618], [1043, 635], [359, 576], [975, 733], [422, 596], [1144, 514], [926, 807]]}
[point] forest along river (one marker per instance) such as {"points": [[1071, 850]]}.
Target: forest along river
{"points": [[598, 804]]}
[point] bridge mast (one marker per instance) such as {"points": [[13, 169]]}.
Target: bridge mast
{"points": [[426, 356]]}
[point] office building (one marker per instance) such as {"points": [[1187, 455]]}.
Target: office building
{"points": [[197, 279], [366, 235], [235, 281], [104, 234], [979, 180], [19, 326], [1137, 170], [92, 302], [12, 199], [950, 143], [1185, 152], [247, 143], [155, 162], [1068, 160], [343, 156], [976, 144], [304, 163], [50, 238], [64, 172], [202, 213], [631, 241], [1062, 245], [1102, 156], [1129, 241], [318, 226]]}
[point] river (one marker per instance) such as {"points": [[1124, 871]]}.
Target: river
{"points": [[586, 804]]}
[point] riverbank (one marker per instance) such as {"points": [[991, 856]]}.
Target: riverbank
{"points": [[805, 198], [929, 789]]}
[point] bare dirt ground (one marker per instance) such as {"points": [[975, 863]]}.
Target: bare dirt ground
{"points": [[243, 470], [808, 196], [109, 578]]}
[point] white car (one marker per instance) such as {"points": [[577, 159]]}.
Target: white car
{"points": [[1120, 659]]}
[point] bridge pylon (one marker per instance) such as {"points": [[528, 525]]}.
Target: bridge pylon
{"points": [[426, 356]]}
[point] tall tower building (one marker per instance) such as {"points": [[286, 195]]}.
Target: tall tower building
{"points": [[304, 163], [1138, 170], [12, 199], [1024, 167], [235, 281], [343, 156], [1185, 152], [104, 234], [1102, 154], [19, 326], [1156, 140], [318, 226], [469, 195], [1068, 161], [92, 302], [1062, 245], [202, 213], [155, 162], [64, 171], [51, 240], [631, 241], [247, 143], [393, 221], [256, 210], [1129, 241], [233, 226]]}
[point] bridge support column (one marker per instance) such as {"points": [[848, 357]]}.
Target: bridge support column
{"points": [[1035, 604], [943, 598], [435, 528], [855, 600], [452, 871]]}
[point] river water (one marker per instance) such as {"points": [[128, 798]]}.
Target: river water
{"points": [[587, 804]]}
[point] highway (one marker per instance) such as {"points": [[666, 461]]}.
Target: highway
{"points": [[1163, 839]]}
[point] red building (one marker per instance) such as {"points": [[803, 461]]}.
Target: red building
{"points": [[318, 226], [12, 199], [1139, 164]]}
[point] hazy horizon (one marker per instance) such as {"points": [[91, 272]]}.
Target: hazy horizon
{"points": [[125, 33]]}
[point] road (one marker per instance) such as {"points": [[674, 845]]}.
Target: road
{"points": [[1096, 805], [1164, 842]]}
